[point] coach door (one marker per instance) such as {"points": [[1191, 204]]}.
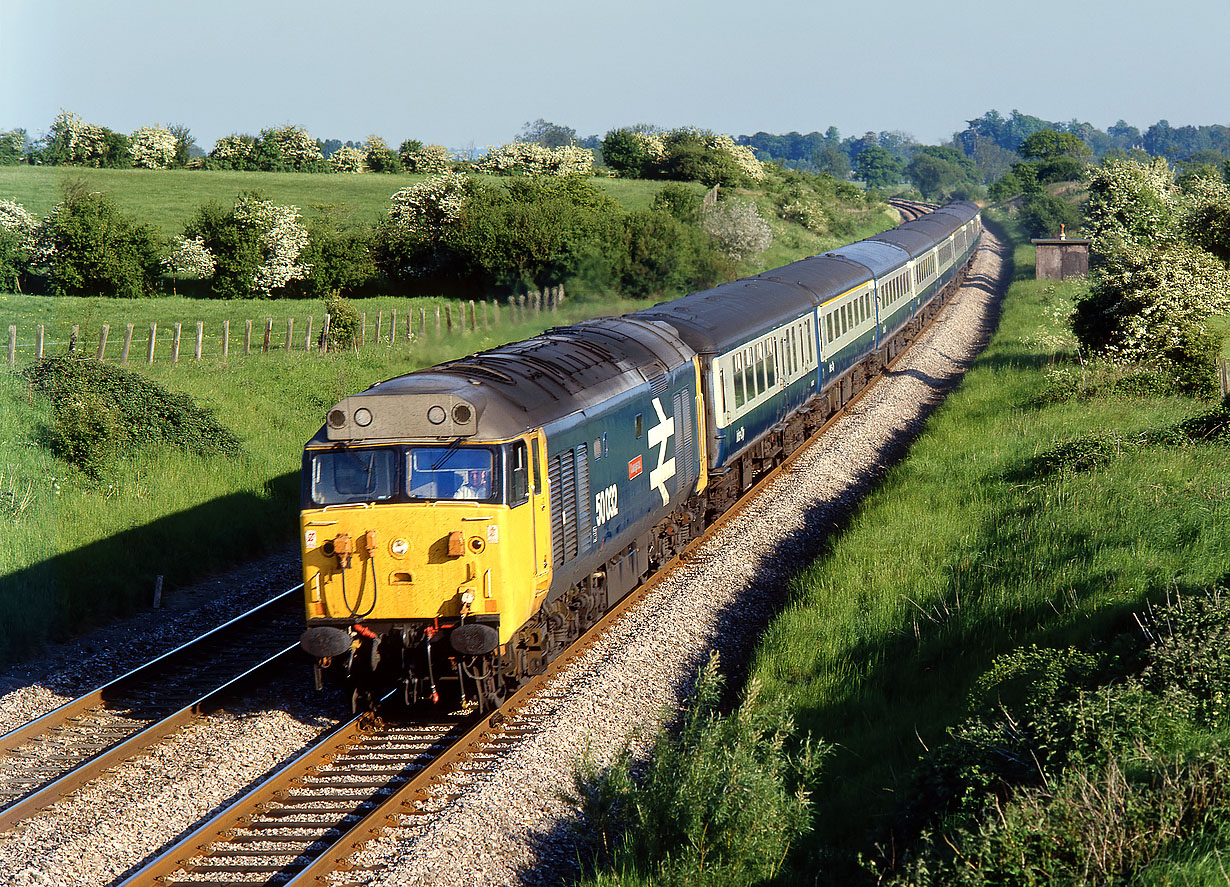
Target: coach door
{"points": [[541, 497]]}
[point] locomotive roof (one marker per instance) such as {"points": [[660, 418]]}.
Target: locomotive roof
{"points": [[715, 320], [512, 388]]}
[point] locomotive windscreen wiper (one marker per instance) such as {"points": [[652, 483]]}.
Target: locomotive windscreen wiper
{"points": [[444, 457]]}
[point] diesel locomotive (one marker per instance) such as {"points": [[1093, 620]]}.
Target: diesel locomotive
{"points": [[463, 524]]}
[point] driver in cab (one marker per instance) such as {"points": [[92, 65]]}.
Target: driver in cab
{"points": [[474, 486]]}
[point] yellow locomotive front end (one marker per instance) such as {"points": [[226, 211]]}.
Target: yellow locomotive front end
{"points": [[421, 557]]}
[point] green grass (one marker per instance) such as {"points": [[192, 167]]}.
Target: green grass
{"points": [[959, 556]]}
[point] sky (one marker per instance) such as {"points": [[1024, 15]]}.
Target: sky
{"points": [[468, 74]]}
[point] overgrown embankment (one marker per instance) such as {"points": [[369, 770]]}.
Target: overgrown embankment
{"points": [[1001, 647]]}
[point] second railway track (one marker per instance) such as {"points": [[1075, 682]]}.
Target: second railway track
{"points": [[57, 753]]}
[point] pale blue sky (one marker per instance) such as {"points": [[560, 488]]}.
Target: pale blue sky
{"points": [[471, 72]]}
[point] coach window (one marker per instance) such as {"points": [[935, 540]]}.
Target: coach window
{"points": [[770, 348], [761, 384], [640, 424], [749, 374], [738, 381], [828, 319]]}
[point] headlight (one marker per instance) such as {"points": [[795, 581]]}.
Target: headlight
{"points": [[399, 547]]}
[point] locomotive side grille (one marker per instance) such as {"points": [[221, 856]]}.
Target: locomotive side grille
{"points": [[568, 484], [582, 500], [658, 383], [557, 511], [685, 443]]}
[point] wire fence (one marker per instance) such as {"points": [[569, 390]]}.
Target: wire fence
{"points": [[130, 342]]}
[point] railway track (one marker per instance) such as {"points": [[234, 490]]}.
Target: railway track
{"points": [[305, 824], [911, 209], [54, 755]]}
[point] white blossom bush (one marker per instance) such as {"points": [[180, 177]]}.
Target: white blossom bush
{"points": [[744, 157], [297, 148], [737, 229], [531, 158], [191, 258], [429, 159], [351, 160], [431, 205], [72, 140], [233, 151], [654, 146], [1130, 200], [281, 237], [152, 147], [17, 219]]}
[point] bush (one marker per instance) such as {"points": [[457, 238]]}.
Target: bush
{"points": [[345, 323], [257, 246], [1042, 215], [719, 803], [658, 255], [625, 153], [1082, 768], [100, 412], [737, 229], [339, 257], [91, 248]]}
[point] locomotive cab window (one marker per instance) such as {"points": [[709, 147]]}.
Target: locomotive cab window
{"points": [[354, 475], [519, 475], [457, 473]]}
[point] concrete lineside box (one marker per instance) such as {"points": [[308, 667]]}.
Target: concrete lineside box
{"points": [[1059, 258]]}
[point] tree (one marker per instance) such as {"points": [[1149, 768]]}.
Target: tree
{"points": [[91, 248], [547, 134], [877, 167], [1047, 144], [12, 147], [624, 152], [940, 171], [185, 145]]}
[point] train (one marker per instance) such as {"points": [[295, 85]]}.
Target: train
{"points": [[463, 524]]}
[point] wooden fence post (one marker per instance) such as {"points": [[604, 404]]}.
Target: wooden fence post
{"points": [[422, 323], [102, 341], [473, 317], [12, 344], [268, 334], [362, 329], [127, 344], [175, 351], [290, 331], [72, 339], [247, 337], [226, 339], [486, 323], [495, 313], [1223, 366], [153, 338], [307, 336], [393, 326], [324, 334], [379, 324], [200, 337], [409, 326], [448, 316], [437, 321], [41, 336]]}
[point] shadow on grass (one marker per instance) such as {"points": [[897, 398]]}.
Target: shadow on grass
{"points": [[81, 589]]}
